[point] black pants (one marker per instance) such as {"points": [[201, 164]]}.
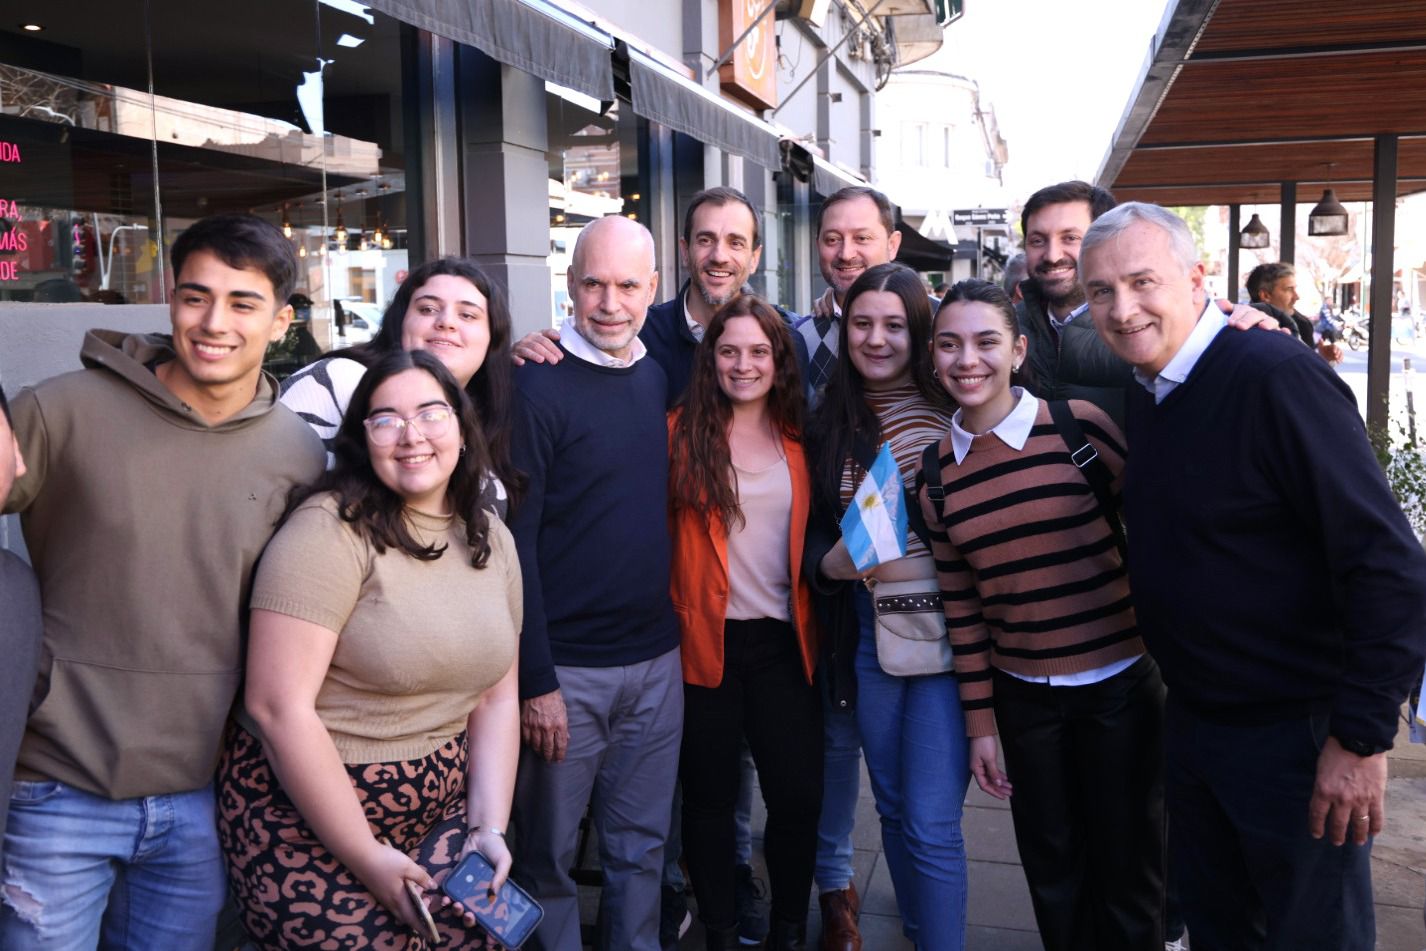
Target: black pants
{"points": [[1250, 876], [1088, 770], [765, 697]]}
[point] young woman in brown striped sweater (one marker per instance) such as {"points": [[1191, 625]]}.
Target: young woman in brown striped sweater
{"points": [[1046, 649]]}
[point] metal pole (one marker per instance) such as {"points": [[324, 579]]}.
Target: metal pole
{"points": [[1383, 247], [728, 53], [1235, 216], [1406, 381], [1287, 227], [823, 58]]}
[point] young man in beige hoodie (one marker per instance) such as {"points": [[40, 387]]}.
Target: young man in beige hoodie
{"points": [[154, 477]]}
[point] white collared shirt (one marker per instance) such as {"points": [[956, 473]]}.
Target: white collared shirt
{"points": [[1176, 371], [694, 327], [577, 346], [1014, 431], [1060, 325]]}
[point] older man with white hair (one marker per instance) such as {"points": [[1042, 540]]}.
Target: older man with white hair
{"points": [[601, 685], [1278, 585]]}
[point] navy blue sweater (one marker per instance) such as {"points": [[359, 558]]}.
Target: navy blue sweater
{"points": [[592, 530], [1273, 571]]}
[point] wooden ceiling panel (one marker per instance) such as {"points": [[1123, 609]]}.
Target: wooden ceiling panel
{"points": [[1343, 95], [1270, 163], [1308, 193], [1268, 24]]}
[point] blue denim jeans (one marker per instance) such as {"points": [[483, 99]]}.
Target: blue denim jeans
{"points": [[82, 871], [841, 784], [914, 737]]}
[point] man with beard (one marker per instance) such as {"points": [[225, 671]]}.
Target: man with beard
{"points": [[720, 247], [1067, 359], [1272, 288]]}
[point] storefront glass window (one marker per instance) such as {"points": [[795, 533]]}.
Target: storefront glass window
{"points": [[125, 122]]}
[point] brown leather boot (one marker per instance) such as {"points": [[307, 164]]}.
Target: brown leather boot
{"points": [[839, 920]]}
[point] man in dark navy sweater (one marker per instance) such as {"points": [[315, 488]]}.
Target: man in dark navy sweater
{"points": [[1279, 587], [601, 686]]}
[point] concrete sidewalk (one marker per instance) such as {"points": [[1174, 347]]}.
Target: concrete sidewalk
{"points": [[1000, 918]]}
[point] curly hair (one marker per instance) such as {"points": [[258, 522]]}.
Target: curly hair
{"points": [[701, 474], [492, 388], [373, 507]]}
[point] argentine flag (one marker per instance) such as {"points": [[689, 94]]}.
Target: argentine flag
{"points": [[874, 526]]}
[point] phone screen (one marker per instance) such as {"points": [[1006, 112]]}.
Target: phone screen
{"points": [[511, 915]]}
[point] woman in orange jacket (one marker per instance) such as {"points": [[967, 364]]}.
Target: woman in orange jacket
{"points": [[739, 494]]}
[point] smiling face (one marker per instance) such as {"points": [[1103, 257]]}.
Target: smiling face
{"points": [[1052, 239], [974, 354], [223, 319], [853, 238], [612, 283], [418, 465], [744, 363], [719, 253], [879, 340], [449, 317], [1143, 300]]}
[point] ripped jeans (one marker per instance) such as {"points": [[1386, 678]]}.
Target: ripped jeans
{"points": [[81, 871]]}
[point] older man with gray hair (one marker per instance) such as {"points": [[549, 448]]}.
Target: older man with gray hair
{"points": [[1285, 680], [601, 686]]}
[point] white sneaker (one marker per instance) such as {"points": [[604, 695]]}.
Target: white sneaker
{"points": [[1178, 944]]}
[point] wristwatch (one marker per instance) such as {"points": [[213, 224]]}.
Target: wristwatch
{"points": [[1360, 747]]}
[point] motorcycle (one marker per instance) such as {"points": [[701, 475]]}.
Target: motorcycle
{"points": [[1354, 330]]}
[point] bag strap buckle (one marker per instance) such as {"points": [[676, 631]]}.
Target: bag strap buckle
{"points": [[1084, 455]]}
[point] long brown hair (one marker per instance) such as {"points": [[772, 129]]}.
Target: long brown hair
{"points": [[843, 418], [368, 503], [701, 476]]}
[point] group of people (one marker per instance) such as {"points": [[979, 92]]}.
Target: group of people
{"points": [[1172, 601]]}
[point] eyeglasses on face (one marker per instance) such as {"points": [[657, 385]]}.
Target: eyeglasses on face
{"points": [[385, 429]]}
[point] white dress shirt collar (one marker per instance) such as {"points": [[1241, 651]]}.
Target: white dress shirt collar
{"points": [[1013, 430], [574, 342]]}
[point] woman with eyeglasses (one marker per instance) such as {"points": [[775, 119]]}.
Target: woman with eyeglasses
{"points": [[380, 728], [453, 310]]}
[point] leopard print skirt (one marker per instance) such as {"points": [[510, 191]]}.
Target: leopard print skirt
{"points": [[293, 893]]}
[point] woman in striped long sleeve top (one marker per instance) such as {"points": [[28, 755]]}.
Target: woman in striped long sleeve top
{"points": [[1047, 653]]}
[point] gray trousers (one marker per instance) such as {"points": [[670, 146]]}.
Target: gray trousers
{"points": [[625, 727]]}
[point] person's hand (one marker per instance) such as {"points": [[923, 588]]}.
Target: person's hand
{"points": [[984, 766], [837, 564], [825, 305], [385, 870], [539, 347], [1349, 795], [544, 726], [1243, 317], [493, 847]]}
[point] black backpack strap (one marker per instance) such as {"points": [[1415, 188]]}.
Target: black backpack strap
{"points": [[1095, 472], [931, 474]]}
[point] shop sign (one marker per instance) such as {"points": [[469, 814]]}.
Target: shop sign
{"points": [[12, 239], [750, 76]]}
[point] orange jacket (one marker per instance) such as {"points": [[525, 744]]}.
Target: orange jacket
{"points": [[699, 576]]}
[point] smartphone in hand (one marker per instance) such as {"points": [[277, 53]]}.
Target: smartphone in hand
{"points": [[510, 916]]}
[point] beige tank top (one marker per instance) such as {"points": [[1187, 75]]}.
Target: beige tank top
{"points": [[759, 575]]}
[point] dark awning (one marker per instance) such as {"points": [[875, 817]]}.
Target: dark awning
{"points": [[533, 36], [828, 178], [662, 95], [919, 252]]}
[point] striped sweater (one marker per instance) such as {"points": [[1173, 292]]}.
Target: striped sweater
{"points": [[908, 422], [1029, 574]]}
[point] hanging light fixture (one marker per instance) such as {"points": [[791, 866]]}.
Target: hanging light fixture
{"points": [[286, 223], [302, 251], [1328, 217], [1255, 235], [340, 235], [377, 237]]}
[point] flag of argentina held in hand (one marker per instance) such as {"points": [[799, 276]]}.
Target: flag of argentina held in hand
{"points": [[874, 526]]}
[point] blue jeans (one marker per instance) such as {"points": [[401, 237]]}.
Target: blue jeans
{"points": [[841, 784], [914, 737], [82, 871]]}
